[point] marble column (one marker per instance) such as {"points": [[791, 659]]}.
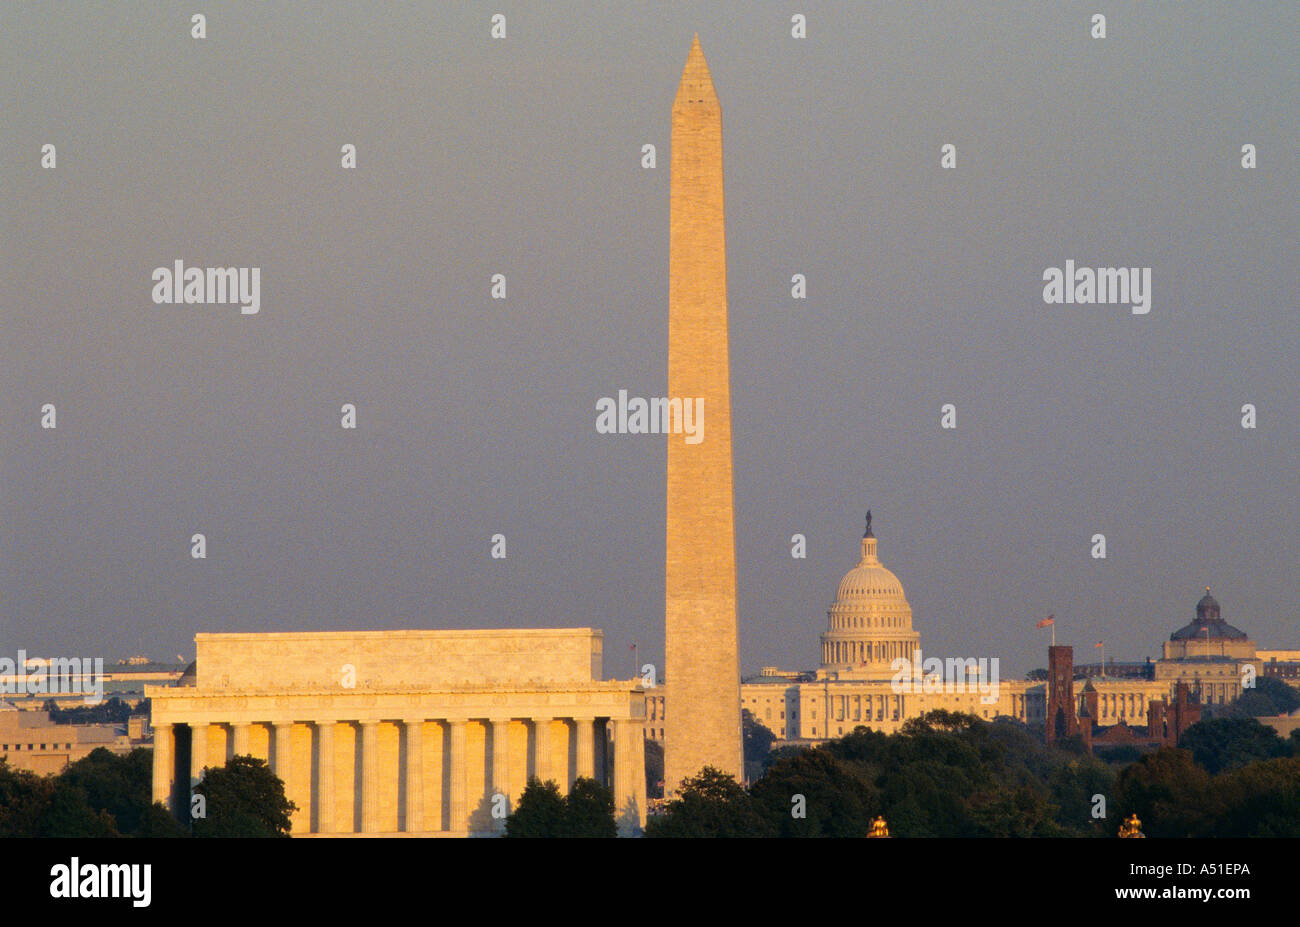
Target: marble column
{"points": [[198, 760], [164, 764], [500, 767], [414, 774], [198, 752], [241, 738], [456, 764], [586, 747], [629, 777], [283, 753], [370, 777], [542, 748], [325, 782]]}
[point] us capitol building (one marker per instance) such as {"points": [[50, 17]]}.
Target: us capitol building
{"points": [[869, 626]]}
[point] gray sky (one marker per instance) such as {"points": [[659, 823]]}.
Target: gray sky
{"points": [[521, 156]]}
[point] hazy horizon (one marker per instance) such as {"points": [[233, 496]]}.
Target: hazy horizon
{"points": [[476, 417]]}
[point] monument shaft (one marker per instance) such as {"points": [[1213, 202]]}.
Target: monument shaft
{"points": [[702, 727]]}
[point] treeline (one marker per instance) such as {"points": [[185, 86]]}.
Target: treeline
{"points": [[944, 775], [107, 795], [100, 795], [112, 711], [1268, 698], [955, 775]]}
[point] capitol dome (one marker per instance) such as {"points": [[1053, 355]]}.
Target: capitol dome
{"points": [[870, 624], [869, 579]]}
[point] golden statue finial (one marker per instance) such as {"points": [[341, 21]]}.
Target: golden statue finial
{"points": [[879, 828], [1132, 827]]}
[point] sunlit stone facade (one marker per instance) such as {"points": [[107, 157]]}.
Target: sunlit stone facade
{"points": [[419, 733], [700, 626]]}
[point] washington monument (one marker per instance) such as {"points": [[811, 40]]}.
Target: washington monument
{"points": [[702, 728]]}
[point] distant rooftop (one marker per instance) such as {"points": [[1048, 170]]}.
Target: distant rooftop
{"points": [[778, 678], [141, 665]]}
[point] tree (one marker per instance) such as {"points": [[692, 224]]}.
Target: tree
{"points": [[69, 814], [47, 806], [712, 804], [815, 794], [111, 711], [587, 811], [1120, 756], [1072, 743], [781, 753], [590, 810], [24, 797], [1261, 800], [244, 798], [1169, 792], [157, 821], [1269, 698], [100, 795], [953, 774], [1222, 744], [940, 719], [121, 786], [757, 737], [1073, 785], [539, 813], [1022, 811]]}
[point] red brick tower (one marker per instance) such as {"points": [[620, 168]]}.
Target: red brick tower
{"points": [[1061, 718]]}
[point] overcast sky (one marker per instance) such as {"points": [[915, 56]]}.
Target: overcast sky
{"points": [[522, 156]]}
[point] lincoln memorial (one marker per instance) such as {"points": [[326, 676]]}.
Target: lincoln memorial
{"points": [[404, 733]]}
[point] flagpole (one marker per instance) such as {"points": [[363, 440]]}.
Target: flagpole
{"points": [[1048, 622]]}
